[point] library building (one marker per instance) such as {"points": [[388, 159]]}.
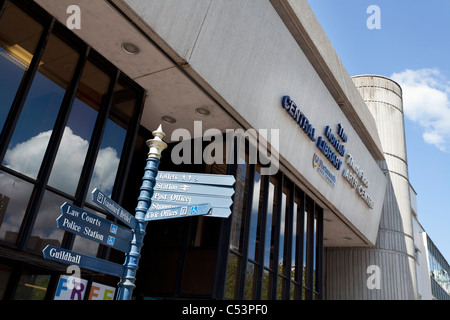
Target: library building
{"points": [[321, 207]]}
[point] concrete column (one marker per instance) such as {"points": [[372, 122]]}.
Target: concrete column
{"points": [[348, 269]]}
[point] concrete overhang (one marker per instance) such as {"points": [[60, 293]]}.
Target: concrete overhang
{"points": [[175, 89]]}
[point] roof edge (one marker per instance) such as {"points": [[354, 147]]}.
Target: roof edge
{"points": [[301, 21]]}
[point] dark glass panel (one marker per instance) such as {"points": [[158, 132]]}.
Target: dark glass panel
{"points": [[78, 132], [32, 286], [108, 158], [255, 217], [35, 126], [5, 273], [19, 35], [271, 221], [14, 196], [232, 280], [45, 231]]}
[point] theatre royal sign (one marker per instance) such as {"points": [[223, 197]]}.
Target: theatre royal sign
{"points": [[332, 146]]}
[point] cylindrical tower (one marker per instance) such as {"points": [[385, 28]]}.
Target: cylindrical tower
{"points": [[394, 254]]}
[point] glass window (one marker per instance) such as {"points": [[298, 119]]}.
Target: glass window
{"points": [[305, 245], [35, 126], [250, 281], [270, 224], [45, 231], [19, 35], [86, 246], [297, 233], [108, 158], [233, 271], [284, 226], [281, 288], [14, 196], [5, 273], [255, 217], [267, 281], [32, 286], [315, 252], [239, 207], [78, 131]]}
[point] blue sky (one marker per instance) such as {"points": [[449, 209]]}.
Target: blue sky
{"points": [[412, 47]]}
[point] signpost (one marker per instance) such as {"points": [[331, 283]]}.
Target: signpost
{"points": [[178, 212], [173, 189], [195, 178], [86, 230], [163, 195], [83, 261], [102, 225], [114, 209]]}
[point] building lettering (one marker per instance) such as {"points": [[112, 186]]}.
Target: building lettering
{"points": [[356, 178], [329, 153], [300, 118]]}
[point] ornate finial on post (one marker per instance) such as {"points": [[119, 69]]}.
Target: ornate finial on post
{"points": [[156, 145]]}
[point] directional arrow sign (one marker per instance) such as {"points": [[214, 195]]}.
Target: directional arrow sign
{"points": [[86, 230], [187, 199], [81, 216], [114, 209], [196, 178], [178, 212], [192, 188], [215, 212], [69, 257]]}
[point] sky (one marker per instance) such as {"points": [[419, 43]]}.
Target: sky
{"points": [[409, 42]]}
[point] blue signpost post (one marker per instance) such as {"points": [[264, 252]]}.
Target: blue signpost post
{"points": [[156, 146], [163, 195]]}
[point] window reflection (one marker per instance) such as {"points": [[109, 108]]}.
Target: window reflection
{"points": [[78, 132], [35, 126], [270, 224], [233, 271], [255, 217], [19, 35], [108, 158], [44, 230], [14, 196], [5, 272], [32, 286], [239, 207], [86, 246]]}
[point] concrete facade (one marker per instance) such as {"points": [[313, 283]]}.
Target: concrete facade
{"points": [[394, 252], [239, 59], [225, 46]]}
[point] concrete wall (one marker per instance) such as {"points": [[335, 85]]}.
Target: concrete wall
{"points": [[422, 262], [394, 252], [243, 52]]}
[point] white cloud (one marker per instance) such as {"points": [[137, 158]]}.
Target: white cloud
{"points": [[26, 157], [426, 100]]}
